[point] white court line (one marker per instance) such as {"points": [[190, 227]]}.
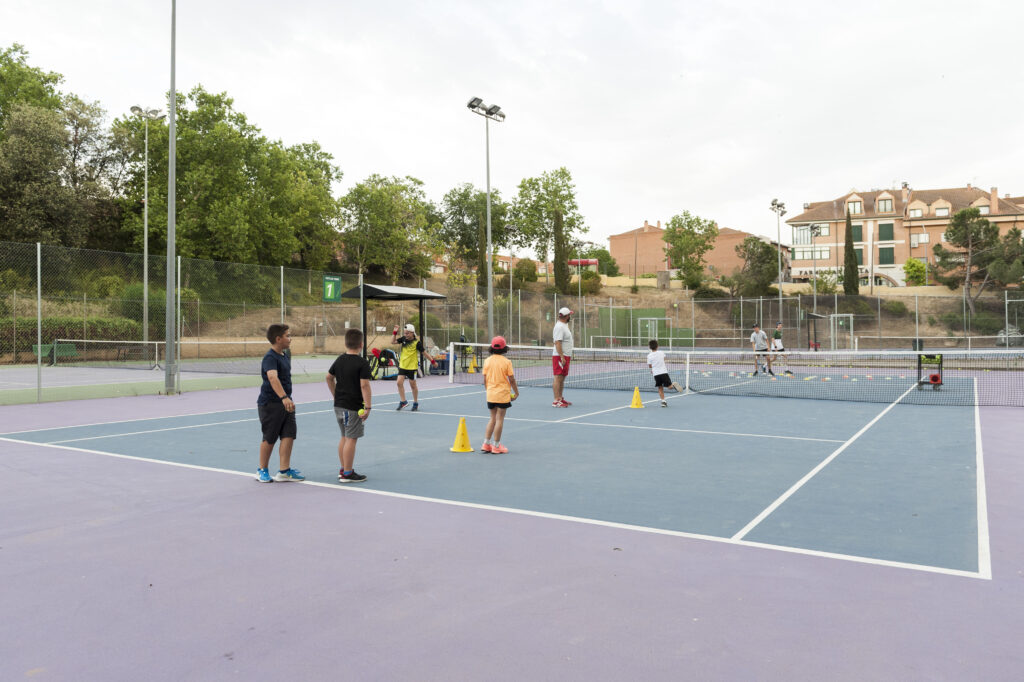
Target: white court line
{"points": [[198, 426], [236, 409], [813, 472], [545, 515], [635, 426], [984, 549], [655, 400]]}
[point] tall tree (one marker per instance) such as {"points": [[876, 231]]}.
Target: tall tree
{"points": [[561, 255], [976, 248], [533, 211], [24, 84], [606, 265], [463, 232], [851, 276], [689, 238], [386, 227], [760, 267]]}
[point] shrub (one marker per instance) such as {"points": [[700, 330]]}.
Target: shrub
{"points": [[526, 270], [986, 323], [108, 286], [705, 291], [551, 290], [895, 308], [95, 328], [855, 305], [591, 282]]}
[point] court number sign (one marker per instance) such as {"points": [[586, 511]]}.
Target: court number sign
{"points": [[332, 288]]}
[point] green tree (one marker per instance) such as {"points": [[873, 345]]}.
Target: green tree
{"points": [[561, 255], [976, 246], [534, 209], [525, 270], [35, 203], [240, 197], [606, 265], [689, 238], [463, 230], [24, 84], [914, 272], [851, 277], [760, 267], [386, 227]]}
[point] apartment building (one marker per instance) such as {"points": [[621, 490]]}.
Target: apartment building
{"points": [[889, 227]]}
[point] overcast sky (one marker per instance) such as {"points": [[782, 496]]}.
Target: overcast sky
{"points": [[655, 107]]}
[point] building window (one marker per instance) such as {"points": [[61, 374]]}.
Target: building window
{"points": [[860, 256], [802, 235], [885, 232], [853, 207], [886, 255], [821, 253], [822, 230], [983, 210], [915, 213], [942, 212], [858, 233], [885, 205]]}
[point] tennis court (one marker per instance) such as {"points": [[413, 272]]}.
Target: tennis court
{"points": [[728, 536]]}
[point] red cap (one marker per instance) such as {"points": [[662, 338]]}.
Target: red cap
{"points": [[498, 342]]}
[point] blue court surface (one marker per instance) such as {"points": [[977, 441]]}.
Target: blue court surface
{"points": [[864, 481]]}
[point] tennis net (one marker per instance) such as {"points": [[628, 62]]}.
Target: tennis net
{"points": [[217, 357], [947, 378]]}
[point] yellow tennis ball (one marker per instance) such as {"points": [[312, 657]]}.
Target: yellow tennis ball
{"points": [[361, 412]]}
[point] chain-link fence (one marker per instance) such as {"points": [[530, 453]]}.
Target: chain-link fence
{"points": [[101, 296]]}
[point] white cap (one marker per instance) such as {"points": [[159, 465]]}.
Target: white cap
{"points": [[410, 328], [564, 312]]}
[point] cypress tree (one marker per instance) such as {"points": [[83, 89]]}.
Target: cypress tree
{"points": [[561, 255], [851, 278]]}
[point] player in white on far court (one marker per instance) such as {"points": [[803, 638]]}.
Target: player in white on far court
{"points": [[778, 349], [656, 361]]}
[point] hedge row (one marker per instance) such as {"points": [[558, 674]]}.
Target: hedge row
{"points": [[95, 328]]}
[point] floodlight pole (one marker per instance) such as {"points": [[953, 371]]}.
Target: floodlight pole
{"points": [[170, 323], [490, 113], [779, 209]]}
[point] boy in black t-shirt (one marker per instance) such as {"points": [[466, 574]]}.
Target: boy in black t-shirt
{"points": [[349, 382]]}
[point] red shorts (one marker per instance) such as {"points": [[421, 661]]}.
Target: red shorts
{"points": [[558, 368]]}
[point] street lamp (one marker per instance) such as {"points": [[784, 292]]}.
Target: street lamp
{"points": [[490, 113], [146, 115], [779, 209]]}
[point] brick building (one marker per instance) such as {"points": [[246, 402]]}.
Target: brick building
{"points": [[890, 227], [649, 245]]}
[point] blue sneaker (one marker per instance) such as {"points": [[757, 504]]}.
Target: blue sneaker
{"points": [[402, 404], [263, 476], [415, 407], [289, 475]]}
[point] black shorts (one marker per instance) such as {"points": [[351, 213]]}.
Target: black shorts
{"points": [[662, 380], [760, 352], [407, 373], [276, 422], [491, 406]]}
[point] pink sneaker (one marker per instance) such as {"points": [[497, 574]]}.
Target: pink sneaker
{"points": [[486, 447], [567, 403], [499, 449]]}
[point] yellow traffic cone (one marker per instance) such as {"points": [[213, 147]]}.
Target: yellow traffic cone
{"points": [[636, 398], [461, 443], [472, 365]]}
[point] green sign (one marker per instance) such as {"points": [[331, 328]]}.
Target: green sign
{"points": [[332, 288]]}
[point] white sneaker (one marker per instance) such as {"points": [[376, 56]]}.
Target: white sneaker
{"points": [[664, 403]]}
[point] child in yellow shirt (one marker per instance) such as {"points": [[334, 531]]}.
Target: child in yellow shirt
{"points": [[500, 384]]}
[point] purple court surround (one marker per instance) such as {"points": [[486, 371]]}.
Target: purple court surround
{"points": [[117, 569]]}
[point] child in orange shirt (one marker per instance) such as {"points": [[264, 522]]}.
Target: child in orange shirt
{"points": [[500, 384]]}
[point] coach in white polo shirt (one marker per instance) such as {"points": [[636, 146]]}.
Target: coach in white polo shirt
{"points": [[561, 356]]}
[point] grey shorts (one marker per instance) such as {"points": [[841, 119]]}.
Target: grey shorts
{"points": [[350, 423]]}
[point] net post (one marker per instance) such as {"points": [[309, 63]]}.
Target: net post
{"points": [[451, 362]]}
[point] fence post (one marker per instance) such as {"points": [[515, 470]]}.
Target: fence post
{"points": [[693, 322], [519, 316], [1006, 317], [611, 323], [85, 316], [740, 330], [39, 322], [917, 322], [15, 318], [282, 294], [879, 321]]}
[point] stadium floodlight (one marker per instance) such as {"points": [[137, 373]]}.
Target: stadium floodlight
{"points": [[490, 113], [146, 115]]}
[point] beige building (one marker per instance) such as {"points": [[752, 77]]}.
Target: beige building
{"points": [[889, 227], [646, 245]]}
